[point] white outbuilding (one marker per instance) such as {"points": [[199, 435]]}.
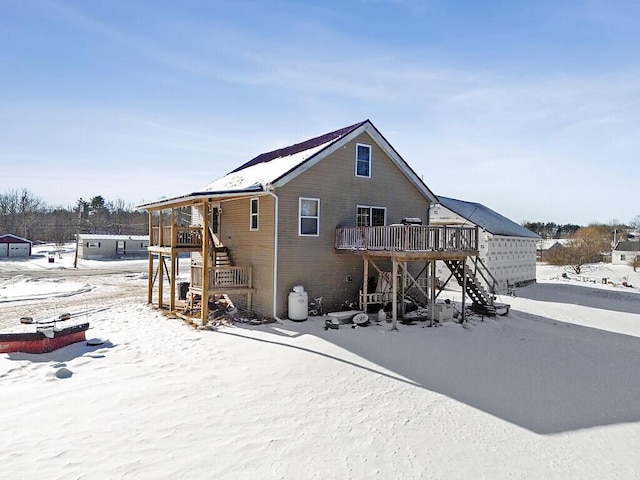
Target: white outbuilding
{"points": [[103, 247], [14, 246], [508, 250]]}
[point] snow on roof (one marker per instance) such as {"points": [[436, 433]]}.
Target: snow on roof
{"points": [[268, 167], [486, 218], [9, 236], [547, 243], [256, 176]]}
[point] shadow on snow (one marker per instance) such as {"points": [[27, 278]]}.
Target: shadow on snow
{"points": [[540, 374]]}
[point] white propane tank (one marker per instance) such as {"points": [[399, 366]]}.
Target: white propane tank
{"points": [[298, 304]]}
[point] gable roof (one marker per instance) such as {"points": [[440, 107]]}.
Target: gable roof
{"points": [[11, 238], [628, 247], [276, 168], [486, 218]]}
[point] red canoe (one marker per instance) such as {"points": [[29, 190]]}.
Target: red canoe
{"points": [[43, 340]]}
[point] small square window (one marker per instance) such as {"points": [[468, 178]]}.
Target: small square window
{"points": [[363, 160]]}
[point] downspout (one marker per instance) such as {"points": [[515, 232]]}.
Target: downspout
{"points": [[269, 190]]}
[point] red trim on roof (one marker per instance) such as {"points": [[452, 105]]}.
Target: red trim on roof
{"points": [[9, 238]]}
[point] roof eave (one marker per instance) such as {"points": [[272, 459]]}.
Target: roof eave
{"points": [[197, 197]]}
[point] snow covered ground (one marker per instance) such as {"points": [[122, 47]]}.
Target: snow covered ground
{"points": [[550, 391]]}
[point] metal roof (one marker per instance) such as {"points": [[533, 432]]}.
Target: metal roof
{"points": [[486, 218]]}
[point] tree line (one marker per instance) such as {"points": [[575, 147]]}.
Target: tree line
{"points": [[24, 214]]}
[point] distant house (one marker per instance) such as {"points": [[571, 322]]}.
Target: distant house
{"points": [[547, 246], [625, 252], [14, 246], [325, 214], [103, 247], [508, 250]]}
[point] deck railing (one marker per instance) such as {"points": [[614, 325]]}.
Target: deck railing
{"points": [[223, 277], [407, 238], [177, 236]]}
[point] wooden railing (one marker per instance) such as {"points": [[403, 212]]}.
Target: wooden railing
{"points": [[223, 277], [407, 238], [177, 236]]}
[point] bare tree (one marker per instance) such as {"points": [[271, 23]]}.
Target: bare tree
{"points": [[586, 246]]}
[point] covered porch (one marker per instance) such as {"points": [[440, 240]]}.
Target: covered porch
{"points": [[174, 233]]}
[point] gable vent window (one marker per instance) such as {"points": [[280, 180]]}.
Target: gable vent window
{"points": [[363, 160], [253, 224], [309, 217]]}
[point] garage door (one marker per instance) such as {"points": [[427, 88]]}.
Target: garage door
{"points": [[18, 249]]}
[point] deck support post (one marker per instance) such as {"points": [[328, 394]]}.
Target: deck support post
{"points": [[204, 310], [432, 290], [365, 283], [150, 266], [464, 289], [160, 262], [394, 301]]}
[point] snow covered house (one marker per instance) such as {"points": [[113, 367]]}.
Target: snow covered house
{"points": [[547, 247], [314, 214], [93, 246], [14, 246], [506, 249], [625, 252]]}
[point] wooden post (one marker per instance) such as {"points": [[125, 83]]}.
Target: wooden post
{"points": [[160, 262], [365, 283], [204, 311], [394, 301], [150, 267], [250, 294], [433, 289], [172, 284], [403, 288], [464, 289]]}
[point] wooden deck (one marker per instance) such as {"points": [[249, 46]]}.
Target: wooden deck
{"points": [[409, 241], [176, 237]]}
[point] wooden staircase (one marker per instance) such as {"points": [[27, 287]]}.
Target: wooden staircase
{"points": [[219, 253], [482, 301], [221, 257]]}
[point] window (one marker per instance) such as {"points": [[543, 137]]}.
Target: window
{"points": [[363, 160], [253, 224], [93, 244], [309, 214], [370, 216]]}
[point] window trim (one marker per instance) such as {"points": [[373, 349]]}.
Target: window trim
{"points": [[358, 160], [371, 207], [253, 214], [300, 217]]}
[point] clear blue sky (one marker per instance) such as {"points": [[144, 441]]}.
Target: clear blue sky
{"points": [[529, 107]]}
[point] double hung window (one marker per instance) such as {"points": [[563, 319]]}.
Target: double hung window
{"points": [[253, 223], [363, 160], [309, 217]]}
